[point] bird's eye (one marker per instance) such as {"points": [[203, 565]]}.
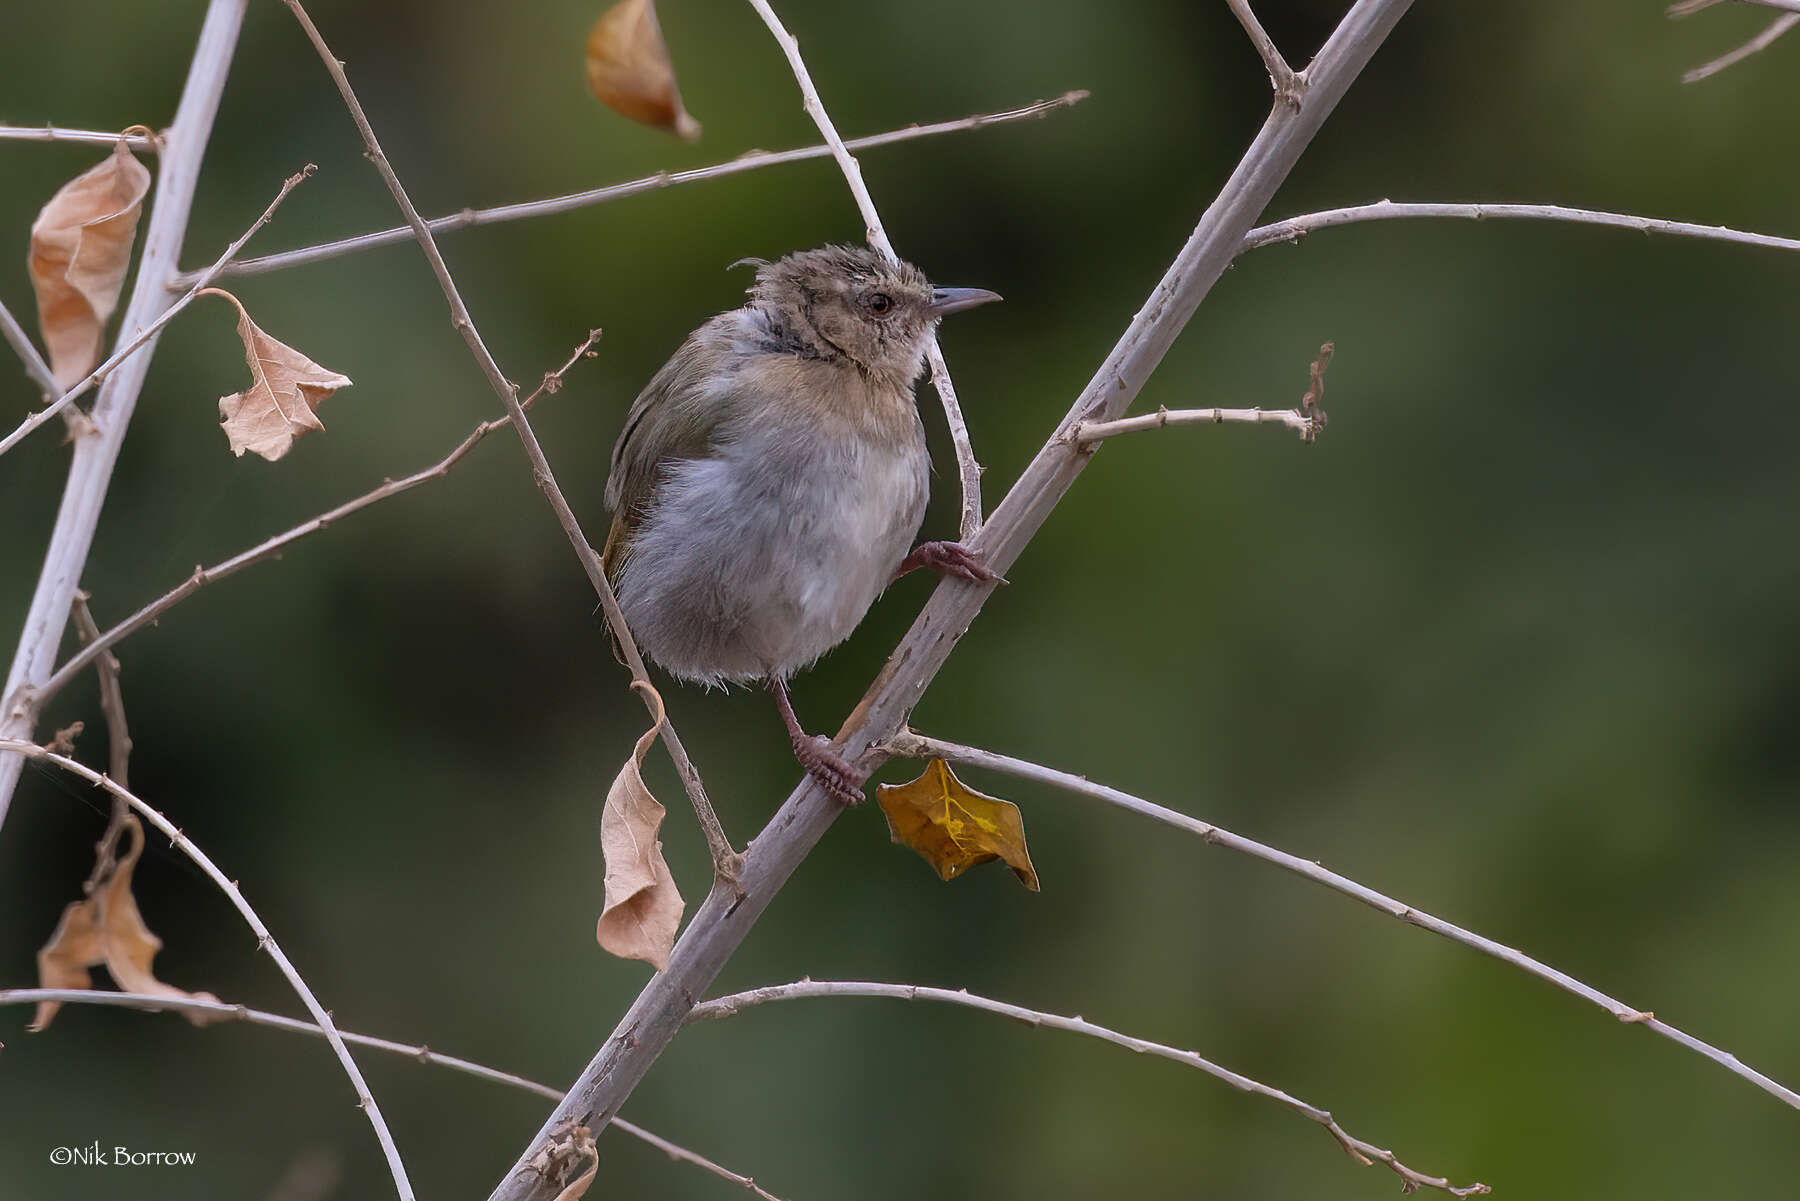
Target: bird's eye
{"points": [[880, 303]]}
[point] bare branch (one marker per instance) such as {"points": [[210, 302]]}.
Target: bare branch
{"points": [[222, 1011], [264, 940], [91, 466], [270, 548], [726, 860], [82, 137], [1687, 8], [20, 341], [1363, 1152], [1289, 86], [118, 746], [915, 745], [1755, 45], [155, 327], [1293, 229], [723, 921], [1090, 432], [752, 161], [968, 469]]}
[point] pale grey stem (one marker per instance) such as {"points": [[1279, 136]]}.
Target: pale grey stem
{"points": [[20, 341], [1363, 1152], [221, 1011], [1755, 45], [751, 161], [118, 745], [80, 137], [1294, 228], [725, 918], [1687, 8], [270, 548], [968, 468], [726, 860], [1089, 432], [1289, 86], [264, 940], [915, 745], [169, 314], [91, 465]]}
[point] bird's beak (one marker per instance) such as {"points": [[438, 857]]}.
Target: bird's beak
{"points": [[955, 300]]}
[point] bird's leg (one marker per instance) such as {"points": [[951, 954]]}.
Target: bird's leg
{"points": [[814, 752], [948, 558]]}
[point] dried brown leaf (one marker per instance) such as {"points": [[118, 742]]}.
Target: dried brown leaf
{"points": [[80, 249], [629, 69], [108, 929], [643, 907], [284, 394], [955, 827]]}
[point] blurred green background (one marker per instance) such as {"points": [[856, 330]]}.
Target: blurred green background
{"points": [[1515, 641]]}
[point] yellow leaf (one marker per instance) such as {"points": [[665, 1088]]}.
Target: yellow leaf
{"points": [[643, 907], [953, 826], [107, 928], [285, 390], [629, 69], [80, 249]]}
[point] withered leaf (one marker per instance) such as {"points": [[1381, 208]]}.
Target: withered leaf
{"points": [[107, 929], [643, 907], [283, 397], [955, 827], [629, 69], [80, 249]]}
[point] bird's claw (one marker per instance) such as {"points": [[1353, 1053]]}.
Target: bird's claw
{"points": [[950, 558], [833, 772]]}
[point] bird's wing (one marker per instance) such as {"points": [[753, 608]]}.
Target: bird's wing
{"points": [[675, 417]]}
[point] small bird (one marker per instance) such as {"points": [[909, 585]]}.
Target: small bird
{"points": [[771, 478]]}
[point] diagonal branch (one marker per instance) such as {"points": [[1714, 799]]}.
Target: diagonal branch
{"points": [[222, 1012], [91, 465], [1755, 45], [270, 548], [20, 341], [118, 747], [751, 161], [264, 940], [1363, 1152], [726, 861], [968, 469], [917, 746], [725, 919]]}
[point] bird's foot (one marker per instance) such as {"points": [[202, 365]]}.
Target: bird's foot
{"points": [[838, 776], [949, 558]]}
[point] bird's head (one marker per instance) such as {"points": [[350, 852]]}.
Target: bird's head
{"points": [[851, 302]]}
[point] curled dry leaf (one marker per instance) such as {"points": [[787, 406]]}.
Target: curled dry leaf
{"points": [[283, 397], [629, 69], [643, 907], [107, 929], [80, 248], [569, 1146], [953, 826]]}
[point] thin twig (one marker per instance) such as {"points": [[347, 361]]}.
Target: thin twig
{"points": [[1090, 432], [264, 940], [968, 468], [270, 548], [91, 464], [1292, 229], [81, 137], [716, 931], [118, 746], [915, 745], [20, 341], [726, 860], [1290, 87], [752, 161], [1755, 45], [222, 1011], [1687, 8], [155, 327], [1363, 1152]]}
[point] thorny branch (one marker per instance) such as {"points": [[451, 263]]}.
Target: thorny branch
{"points": [[726, 860], [913, 745], [264, 940], [222, 1011], [1363, 1152], [968, 469]]}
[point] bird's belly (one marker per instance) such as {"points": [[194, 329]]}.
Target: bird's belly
{"points": [[745, 569]]}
